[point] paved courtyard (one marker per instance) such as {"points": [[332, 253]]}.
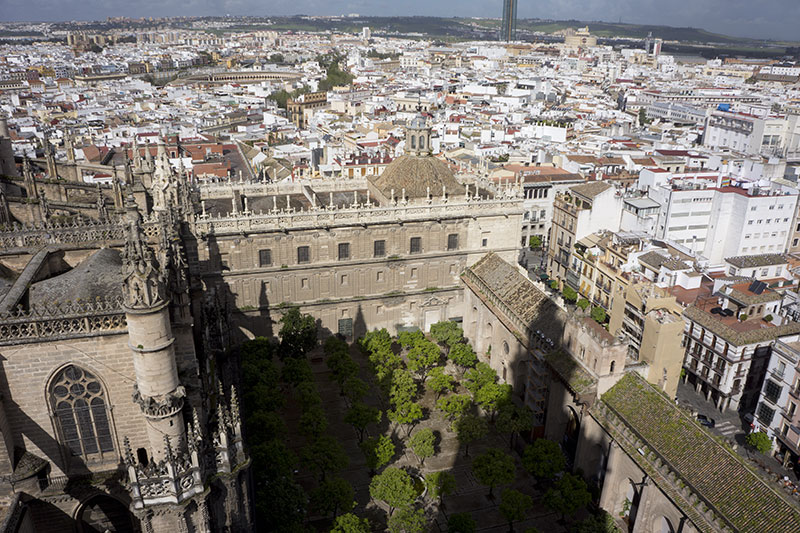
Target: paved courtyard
{"points": [[470, 495]]}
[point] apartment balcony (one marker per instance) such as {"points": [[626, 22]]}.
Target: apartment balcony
{"points": [[777, 374]]}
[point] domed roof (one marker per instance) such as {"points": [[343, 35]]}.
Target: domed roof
{"points": [[416, 175]]}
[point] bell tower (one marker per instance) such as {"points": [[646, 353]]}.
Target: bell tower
{"points": [[418, 137]]}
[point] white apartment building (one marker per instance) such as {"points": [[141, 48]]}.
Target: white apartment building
{"points": [[723, 221], [750, 134]]}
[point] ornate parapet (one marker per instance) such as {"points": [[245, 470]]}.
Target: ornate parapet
{"points": [[59, 321], [356, 215], [161, 407], [75, 233], [226, 189], [173, 480]]}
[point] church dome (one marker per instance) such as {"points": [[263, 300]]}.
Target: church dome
{"points": [[416, 175]]}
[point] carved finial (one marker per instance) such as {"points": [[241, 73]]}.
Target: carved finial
{"points": [[144, 283], [167, 448], [234, 407], [126, 444]]}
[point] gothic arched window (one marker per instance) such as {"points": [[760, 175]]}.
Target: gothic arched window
{"points": [[81, 412]]}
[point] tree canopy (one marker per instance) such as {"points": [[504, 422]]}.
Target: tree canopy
{"points": [[513, 506], [447, 332], [423, 444], [361, 415], [470, 428], [378, 451], [333, 495], [543, 459], [324, 454], [478, 377], [440, 484], [463, 355], [422, 356], [350, 523], [407, 520], [298, 334], [454, 405], [394, 487], [439, 381], [461, 523], [567, 495], [494, 467]]}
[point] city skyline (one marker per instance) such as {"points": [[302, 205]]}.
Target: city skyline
{"points": [[775, 19]]}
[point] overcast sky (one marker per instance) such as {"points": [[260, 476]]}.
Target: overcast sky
{"points": [[774, 19]]}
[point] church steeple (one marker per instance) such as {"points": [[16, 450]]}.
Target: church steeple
{"points": [[418, 137]]}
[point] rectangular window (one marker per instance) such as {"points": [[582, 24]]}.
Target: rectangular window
{"points": [[344, 251], [765, 414], [379, 248], [416, 245], [264, 258], [772, 391], [303, 254], [452, 241], [379, 276]]}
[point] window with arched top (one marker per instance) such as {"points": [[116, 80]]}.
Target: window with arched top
{"points": [[413, 141], [421, 142], [81, 412]]}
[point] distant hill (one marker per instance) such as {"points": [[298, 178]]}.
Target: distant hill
{"points": [[480, 28]]}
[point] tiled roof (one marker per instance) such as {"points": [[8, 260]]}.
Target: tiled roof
{"points": [[529, 305], [591, 189], [739, 338], [418, 176], [750, 261], [718, 475], [745, 297], [653, 259], [572, 373]]}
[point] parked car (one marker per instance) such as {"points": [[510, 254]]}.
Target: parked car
{"points": [[706, 421]]}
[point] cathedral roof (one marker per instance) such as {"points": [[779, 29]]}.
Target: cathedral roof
{"points": [[416, 175], [716, 473], [97, 276]]}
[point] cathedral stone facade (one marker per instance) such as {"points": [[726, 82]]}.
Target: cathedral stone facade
{"points": [[118, 304]]}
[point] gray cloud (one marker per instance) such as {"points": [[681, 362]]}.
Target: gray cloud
{"points": [[772, 19]]}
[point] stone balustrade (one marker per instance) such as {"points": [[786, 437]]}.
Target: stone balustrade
{"points": [[62, 321], [224, 189], [356, 215]]}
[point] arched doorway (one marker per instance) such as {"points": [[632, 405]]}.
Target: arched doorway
{"points": [[571, 432], [487, 340], [102, 513], [666, 526], [630, 504]]}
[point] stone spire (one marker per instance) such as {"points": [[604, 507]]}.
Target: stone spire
{"points": [[30, 183], [144, 283], [137, 158], [50, 158], [70, 148], [163, 187]]}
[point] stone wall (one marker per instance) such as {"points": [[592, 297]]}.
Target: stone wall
{"points": [[26, 373]]}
